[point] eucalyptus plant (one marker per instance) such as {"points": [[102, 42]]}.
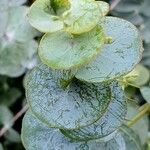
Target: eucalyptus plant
{"points": [[17, 44], [75, 95]]}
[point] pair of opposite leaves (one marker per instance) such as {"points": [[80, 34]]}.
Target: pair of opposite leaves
{"points": [[64, 50], [80, 110]]}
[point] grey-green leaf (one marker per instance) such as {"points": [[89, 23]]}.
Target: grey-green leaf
{"points": [[61, 50], [77, 106], [18, 29], [5, 116], [117, 58], [12, 136], [111, 120], [41, 16], [15, 56], [145, 91], [38, 136], [17, 46]]}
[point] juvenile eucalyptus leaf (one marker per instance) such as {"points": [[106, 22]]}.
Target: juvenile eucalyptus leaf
{"points": [[42, 17], [77, 106], [104, 7], [61, 50], [14, 56], [38, 136], [12, 136], [111, 120], [145, 91], [5, 116], [16, 42], [82, 16], [18, 29], [117, 58]]}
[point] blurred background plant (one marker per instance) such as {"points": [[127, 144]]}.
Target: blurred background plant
{"points": [[18, 54]]}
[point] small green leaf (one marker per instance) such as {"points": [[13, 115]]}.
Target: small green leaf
{"points": [[77, 106], [119, 57], [82, 16], [111, 120], [12, 136], [61, 50], [15, 56], [5, 116], [104, 7], [138, 77], [145, 91], [42, 17]]}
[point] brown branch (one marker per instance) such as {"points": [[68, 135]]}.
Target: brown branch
{"points": [[114, 3], [14, 119]]}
